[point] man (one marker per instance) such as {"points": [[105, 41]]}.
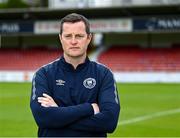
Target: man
{"points": [[74, 96]]}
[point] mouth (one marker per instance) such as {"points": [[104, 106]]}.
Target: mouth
{"points": [[74, 48]]}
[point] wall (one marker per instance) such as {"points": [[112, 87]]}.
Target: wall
{"points": [[121, 77]]}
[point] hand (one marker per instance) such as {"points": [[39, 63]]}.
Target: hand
{"points": [[96, 108], [47, 101]]}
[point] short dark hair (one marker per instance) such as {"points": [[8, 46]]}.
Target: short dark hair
{"points": [[73, 18]]}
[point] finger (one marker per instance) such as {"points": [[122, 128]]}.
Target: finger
{"points": [[44, 102], [44, 99], [44, 105], [47, 96]]}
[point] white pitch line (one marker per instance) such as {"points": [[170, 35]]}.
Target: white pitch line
{"points": [[146, 117]]}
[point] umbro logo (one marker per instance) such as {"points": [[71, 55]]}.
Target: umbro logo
{"points": [[60, 82]]}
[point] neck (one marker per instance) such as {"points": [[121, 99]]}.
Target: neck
{"points": [[75, 61]]}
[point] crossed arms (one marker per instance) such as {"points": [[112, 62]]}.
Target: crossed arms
{"points": [[101, 116]]}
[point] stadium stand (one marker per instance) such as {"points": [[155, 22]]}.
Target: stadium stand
{"points": [[30, 59], [138, 59], [147, 23], [117, 58]]}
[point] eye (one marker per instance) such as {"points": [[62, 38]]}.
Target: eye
{"points": [[79, 36], [67, 36]]}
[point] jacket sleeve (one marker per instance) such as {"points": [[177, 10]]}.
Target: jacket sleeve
{"points": [[108, 101], [54, 117]]}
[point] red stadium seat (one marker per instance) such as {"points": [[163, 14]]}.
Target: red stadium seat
{"points": [[117, 58], [16, 59], [138, 59]]}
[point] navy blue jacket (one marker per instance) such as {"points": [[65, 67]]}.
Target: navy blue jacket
{"points": [[74, 90]]}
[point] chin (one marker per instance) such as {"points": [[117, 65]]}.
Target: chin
{"points": [[76, 55]]}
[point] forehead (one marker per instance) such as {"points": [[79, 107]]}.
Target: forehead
{"points": [[77, 27]]}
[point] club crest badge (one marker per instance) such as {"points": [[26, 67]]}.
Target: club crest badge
{"points": [[89, 83]]}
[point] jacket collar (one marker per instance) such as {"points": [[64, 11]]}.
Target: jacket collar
{"points": [[69, 67]]}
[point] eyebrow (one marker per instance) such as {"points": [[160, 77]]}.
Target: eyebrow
{"points": [[74, 34]]}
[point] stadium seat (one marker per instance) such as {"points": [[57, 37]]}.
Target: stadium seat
{"points": [[138, 59], [31, 59]]}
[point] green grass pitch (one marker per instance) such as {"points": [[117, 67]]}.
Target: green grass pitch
{"points": [[147, 110]]}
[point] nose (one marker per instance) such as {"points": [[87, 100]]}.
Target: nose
{"points": [[73, 40]]}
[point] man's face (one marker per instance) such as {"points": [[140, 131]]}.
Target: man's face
{"points": [[74, 39]]}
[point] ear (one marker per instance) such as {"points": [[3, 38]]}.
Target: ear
{"points": [[60, 37], [90, 37]]}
